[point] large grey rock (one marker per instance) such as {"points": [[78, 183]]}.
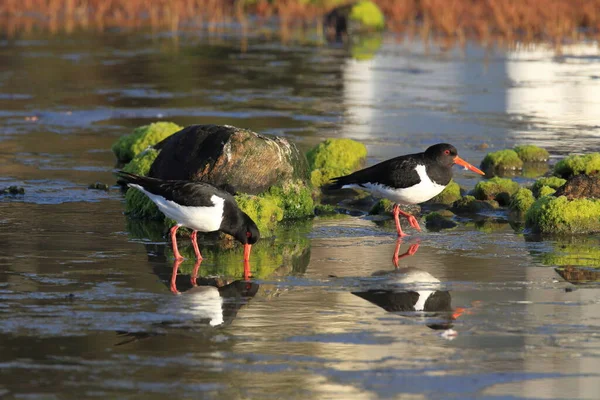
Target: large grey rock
{"points": [[222, 154]]}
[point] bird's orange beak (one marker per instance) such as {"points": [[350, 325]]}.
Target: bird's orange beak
{"points": [[463, 163], [247, 248]]}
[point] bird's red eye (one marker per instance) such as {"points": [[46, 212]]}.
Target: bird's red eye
{"points": [[447, 152], [248, 234]]}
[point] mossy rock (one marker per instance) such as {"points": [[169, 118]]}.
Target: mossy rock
{"points": [[367, 15], [502, 160], [470, 205], [487, 225], [575, 164], [437, 221], [128, 146], [264, 211], [141, 163], [530, 153], [558, 215], [326, 210], [448, 196], [493, 189], [333, 158], [521, 201], [294, 198], [546, 191], [552, 182]]}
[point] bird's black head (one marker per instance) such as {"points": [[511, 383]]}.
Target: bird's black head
{"points": [[442, 153], [247, 232]]}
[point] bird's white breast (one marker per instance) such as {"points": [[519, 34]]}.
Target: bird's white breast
{"points": [[422, 191], [203, 219], [426, 284]]}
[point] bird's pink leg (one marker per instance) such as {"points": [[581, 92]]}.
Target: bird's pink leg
{"points": [[411, 219], [195, 244], [411, 251], [396, 211], [174, 242], [195, 271], [176, 264]]}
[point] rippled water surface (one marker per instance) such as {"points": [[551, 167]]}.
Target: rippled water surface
{"points": [[86, 309]]}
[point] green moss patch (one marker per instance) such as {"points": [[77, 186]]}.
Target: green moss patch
{"points": [[558, 215], [470, 205], [552, 182], [264, 211], [546, 191], [574, 165], [294, 198], [141, 163], [333, 158], [502, 160], [521, 201], [368, 15], [448, 196], [436, 221], [495, 189], [531, 153], [128, 146]]}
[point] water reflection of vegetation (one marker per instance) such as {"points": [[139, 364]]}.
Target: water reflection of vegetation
{"points": [[575, 251], [578, 275], [289, 248]]}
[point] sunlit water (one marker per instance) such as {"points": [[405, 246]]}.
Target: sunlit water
{"points": [[86, 310]]}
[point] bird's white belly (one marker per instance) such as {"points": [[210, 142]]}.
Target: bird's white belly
{"points": [[422, 191], [203, 219]]}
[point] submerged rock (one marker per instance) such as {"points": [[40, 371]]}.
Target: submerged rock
{"points": [[128, 146], [351, 18], [385, 207], [580, 186], [222, 154], [14, 190], [574, 165], [559, 215], [436, 221], [333, 158], [470, 205], [98, 186], [499, 189]]}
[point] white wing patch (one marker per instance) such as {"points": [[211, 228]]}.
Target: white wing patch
{"points": [[422, 191], [203, 219]]}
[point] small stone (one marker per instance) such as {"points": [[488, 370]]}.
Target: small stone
{"points": [[470, 205], [494, 188], [98, 186], [13, 190]]}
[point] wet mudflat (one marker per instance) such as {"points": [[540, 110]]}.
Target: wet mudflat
{"points": [[86, 310]]}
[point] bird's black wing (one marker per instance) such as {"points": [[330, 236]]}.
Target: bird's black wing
{"points": [[186, 193], [397, 172]]}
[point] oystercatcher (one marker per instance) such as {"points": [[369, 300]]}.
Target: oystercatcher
{"points": [[198, 206], [408, 179]]}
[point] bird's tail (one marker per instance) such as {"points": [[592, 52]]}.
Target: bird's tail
{"points": [[338, 183], [126, 178]]}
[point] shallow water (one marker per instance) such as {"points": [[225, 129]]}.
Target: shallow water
{"points": [[86, 307]]}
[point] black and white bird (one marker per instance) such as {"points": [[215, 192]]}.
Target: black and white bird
{"points": [[408, 179], [198, 206]]}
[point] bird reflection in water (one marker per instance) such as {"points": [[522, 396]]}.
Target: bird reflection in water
{"points": [[201, 303], [414, 293]]}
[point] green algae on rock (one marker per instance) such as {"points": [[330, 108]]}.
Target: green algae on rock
{"points": [[128, 146], [141, 163], [436, 221], [449, 195], [578, 164], [558, 215], [502, 160], [551, 181], [333, 158], [530, 153], [368, 15], [546, 191], [264, 211], [470, 205], [492, 189], [294, 198], [521, 201]]}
